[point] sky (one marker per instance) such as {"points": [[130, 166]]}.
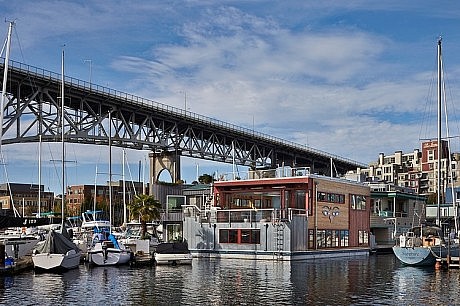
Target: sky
{"points": [[351, 78]]}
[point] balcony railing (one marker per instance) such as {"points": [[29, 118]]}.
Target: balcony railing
{"points": [[261, 174], [242, 215], [387, 214]]}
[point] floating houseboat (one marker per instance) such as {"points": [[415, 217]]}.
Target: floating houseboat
{"points": [[282, 214]]}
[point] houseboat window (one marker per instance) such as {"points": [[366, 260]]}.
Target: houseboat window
{"points": [[300, 199], [223, 236], [328, 238], [255, 236], [363, 238], [245, 236], [287, 198], [240, 236], [228, 236], [343, 238], [233, 236], [321, 238], [358, 202], [331, 197]]}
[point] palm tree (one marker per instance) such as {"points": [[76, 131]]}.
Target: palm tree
{"points": [[145, 208]]}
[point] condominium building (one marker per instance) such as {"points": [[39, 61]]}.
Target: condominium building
{"points": [[417, 169]]}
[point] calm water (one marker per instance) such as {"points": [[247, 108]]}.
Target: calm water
{"points": [[376, 280]]}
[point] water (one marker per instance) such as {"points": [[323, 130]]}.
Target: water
{"points": [[374, 280]]}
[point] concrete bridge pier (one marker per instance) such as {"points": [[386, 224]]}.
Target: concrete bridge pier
{"points": [[169, 161]]}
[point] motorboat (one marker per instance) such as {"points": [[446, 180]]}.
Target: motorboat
{"points": [[173, 253]]}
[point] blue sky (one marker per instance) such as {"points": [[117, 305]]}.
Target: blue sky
{"points": [[351, 78]]}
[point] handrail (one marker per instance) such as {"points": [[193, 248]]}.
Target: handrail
{"points": [[151, 104]]}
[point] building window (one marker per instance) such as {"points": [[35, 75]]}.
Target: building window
{"points": [[328, 238], [240, 236], [344, 238], [300, 199], [358, 202], [363, 238], [331, 197]]}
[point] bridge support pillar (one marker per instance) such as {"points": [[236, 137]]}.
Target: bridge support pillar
{"points": [[164, 161]]}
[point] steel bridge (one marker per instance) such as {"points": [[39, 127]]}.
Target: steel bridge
{"points": [[32, 110]]}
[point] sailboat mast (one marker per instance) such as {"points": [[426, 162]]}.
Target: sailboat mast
{"points": [[2, 108], [62, 140], [5, 75], [39, 173], [438, 183], [110, 170], [124, 189]]}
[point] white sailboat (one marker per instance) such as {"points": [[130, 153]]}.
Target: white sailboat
{"points": [[423, 245], [58, 252], [108, 251]]}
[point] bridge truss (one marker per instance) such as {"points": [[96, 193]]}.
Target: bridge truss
{"points": [[32, 110]]}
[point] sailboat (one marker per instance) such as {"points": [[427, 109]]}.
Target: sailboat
{"points": [[58, 252], [423, 245], [108, 251]]}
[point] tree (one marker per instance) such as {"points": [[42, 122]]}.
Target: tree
{"points": [[432, 198], [145, 208], [205, 179]]}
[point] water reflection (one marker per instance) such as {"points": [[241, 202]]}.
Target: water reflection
{"points": [[376, 280]]}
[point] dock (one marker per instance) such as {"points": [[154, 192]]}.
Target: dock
{"points": [[25, 263], [451, 262], [142, 259]]}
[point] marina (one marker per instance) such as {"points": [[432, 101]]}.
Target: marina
{"points": [[288, 225], [358, 280]]}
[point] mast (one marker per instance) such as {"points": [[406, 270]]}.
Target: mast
{"points": [[2, 109], [39, 173], [95, 193], [438, 173], [62, 141], [124, 188], [5, 75], [110, 170]]}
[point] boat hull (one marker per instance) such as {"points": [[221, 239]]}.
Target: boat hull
{"points": [[173, 259], [417, 256], [101, 255], [173, 253], [51, 261]]}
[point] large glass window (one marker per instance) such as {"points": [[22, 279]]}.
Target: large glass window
{"points": [[344, 238], [241, 236], [232, 236], [363, 237], [300, 199], [328, 238], [331, 197], [358, 202]]}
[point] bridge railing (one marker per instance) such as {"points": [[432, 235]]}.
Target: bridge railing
{"points": [[149, 104]]}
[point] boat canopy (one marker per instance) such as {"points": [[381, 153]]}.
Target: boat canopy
{"points": [[56, 243]]}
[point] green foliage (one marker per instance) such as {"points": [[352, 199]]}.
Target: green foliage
{"points": [[205, 179], [145, 208], [432, 198]]}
